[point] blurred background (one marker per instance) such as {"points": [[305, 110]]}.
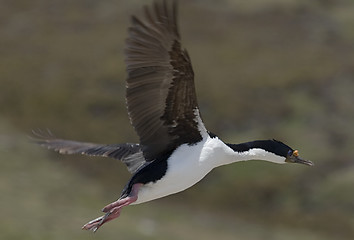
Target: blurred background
{"points": [[264, 69]]}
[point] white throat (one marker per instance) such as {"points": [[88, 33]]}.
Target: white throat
{"points": [[258, 154], [221, 154]]}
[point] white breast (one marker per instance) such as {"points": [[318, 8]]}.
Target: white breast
{"points": [[186, 166]]}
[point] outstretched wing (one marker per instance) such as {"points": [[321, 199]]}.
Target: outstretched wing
{"points": [[161, 98], [128, 153]]}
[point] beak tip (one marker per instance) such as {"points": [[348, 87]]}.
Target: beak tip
{"points": [[305, 162], [308, 163]]}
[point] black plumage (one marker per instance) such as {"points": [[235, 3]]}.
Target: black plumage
{"points": [[272, 146]]}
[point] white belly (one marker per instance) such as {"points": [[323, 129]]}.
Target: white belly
{"points": [[186, 166]]}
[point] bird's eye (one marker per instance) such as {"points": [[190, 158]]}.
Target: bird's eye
{"points": [[290, 152], [296, 153]]}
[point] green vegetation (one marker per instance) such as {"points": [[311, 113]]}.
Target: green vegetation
{"points": [[264, 69]]}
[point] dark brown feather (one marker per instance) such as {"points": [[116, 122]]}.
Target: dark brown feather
{"points": [[161, 98]]}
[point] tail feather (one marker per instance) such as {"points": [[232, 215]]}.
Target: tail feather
{"points": [[129, 153]]}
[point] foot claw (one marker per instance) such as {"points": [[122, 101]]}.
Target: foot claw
{"points": [[113, 210], [95, 224]]}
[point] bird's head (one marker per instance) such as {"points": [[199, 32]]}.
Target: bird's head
{"points": [[288, 155], [293, 157]]}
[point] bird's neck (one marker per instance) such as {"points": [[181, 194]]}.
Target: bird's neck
{"points": [[255, 150]]}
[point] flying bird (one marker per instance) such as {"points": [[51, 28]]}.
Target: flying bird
{"points": [[175, 150]]}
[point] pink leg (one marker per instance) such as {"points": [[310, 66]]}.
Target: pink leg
{"points": [[113, 210]]}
